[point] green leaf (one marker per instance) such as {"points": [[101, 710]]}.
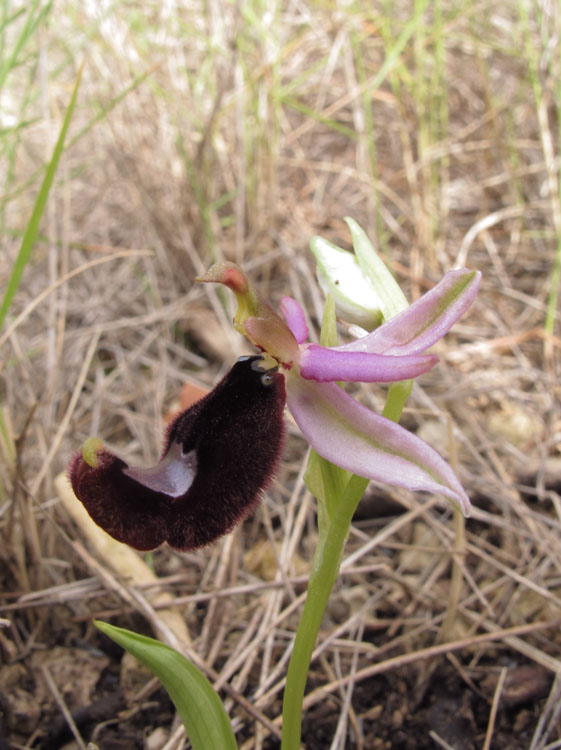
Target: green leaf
{"points": [[199, 706], [32, 228]]}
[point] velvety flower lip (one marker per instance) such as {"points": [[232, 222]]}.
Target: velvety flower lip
{"points": [[218, 456]]}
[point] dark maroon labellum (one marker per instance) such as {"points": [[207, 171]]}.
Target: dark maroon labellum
{"points": [[218, 456]]}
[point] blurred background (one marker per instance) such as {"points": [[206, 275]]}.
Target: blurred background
{"points": [[239, 130]]}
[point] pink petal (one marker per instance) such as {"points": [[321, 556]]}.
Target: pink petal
{"points": [[273, 336], [355, 438], [324, 365], [425, 321], [295, 318]]}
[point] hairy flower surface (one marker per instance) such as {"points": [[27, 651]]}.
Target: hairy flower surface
{"points": [[218, 456], [339, 428]]}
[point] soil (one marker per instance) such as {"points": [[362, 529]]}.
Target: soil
{"points": [[406, 709]]}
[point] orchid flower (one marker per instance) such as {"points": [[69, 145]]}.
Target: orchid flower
{"points": [[220, 453], [338, 427], [223, 451]]}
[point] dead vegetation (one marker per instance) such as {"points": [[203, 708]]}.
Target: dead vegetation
{"points": [[238, 131]]}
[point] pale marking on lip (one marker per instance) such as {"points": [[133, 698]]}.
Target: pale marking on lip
{"points": [[172, 476]]}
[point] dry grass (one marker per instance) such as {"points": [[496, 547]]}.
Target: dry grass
{"points": [[245, 129]]}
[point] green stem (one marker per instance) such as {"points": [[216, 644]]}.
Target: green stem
{"points": [[325, 569], [398, 393]]}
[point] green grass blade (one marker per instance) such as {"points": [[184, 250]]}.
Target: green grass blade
{"points": [[199, 706], [197, 187], [31, 23], [533, 56], [81, 133], [10, 19], [19, 126], [104, 111], [290, 101], [32, 228]]}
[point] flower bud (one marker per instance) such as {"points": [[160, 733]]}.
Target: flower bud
{"points": [[340, 275]]}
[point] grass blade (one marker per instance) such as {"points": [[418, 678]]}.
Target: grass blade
{"points": [[32, 228], [31, 23], [82, 132]]}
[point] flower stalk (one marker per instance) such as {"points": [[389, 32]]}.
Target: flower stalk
{"points": [[337, 503], [324, 573], [351, 444]]}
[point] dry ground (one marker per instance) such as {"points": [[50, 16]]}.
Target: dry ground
{"points": [[240, 131]]}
